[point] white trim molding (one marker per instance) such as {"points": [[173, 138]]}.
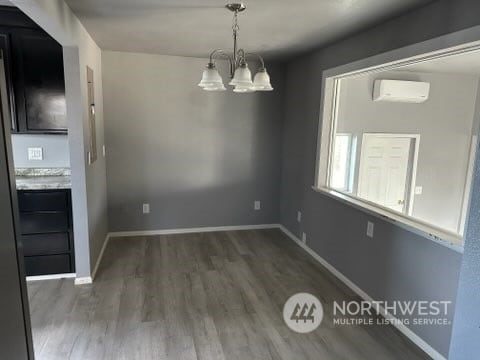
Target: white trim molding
{"points": [[51, 277], [424, 230], [417, 340], [100, 256], [83, 280], [192, 230]]}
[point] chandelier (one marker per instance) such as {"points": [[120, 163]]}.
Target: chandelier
{"points": [[240, 75]]}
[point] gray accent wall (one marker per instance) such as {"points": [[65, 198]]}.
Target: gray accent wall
{"points": [[396, 264], [56, 152], [198, 158]]}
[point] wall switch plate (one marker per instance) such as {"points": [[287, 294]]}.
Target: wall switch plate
{"points": [[299, 216], [35, 153], [304, 238], [256, 205], [104, 150], [418, 190], [370, 228], [146, 208]]}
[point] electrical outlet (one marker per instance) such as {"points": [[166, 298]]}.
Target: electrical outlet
{"points": [[146, 208], [256, 205], [35, 153], [299, 216], [418, 190], [304, 238], [370, 228]]}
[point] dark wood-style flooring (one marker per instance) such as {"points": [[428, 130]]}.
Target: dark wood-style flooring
{"points": [[205, 296]]}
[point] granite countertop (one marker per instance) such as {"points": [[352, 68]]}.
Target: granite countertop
{"points": [[43, 179]]}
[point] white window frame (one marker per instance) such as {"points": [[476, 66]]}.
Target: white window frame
{"points": [[452, 44], [351, 169]]}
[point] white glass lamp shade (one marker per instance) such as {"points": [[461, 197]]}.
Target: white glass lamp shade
{"points": [[242, 77], [219, 87], [261, 82], [243, 89], [211, 79]]}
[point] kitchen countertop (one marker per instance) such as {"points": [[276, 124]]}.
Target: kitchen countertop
{"points": [[43, 182], [43, 179]]}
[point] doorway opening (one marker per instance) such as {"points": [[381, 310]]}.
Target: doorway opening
{"points": [[37, 75]]}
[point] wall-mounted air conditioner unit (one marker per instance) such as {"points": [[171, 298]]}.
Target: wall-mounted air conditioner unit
{"points": [[401, 91]]}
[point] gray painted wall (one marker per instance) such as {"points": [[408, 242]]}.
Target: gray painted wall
{"points": [[55, 150], [198, 158], [396, 264], [444, 123]]}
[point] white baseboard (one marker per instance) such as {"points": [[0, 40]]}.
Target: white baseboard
{"points": [[417, 340], [83, 280], [100, 256], [89, 279], [51, 277], [191, 230]]}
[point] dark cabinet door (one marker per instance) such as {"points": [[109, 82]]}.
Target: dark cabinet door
{"points": [[6, 87], [39, 82]]}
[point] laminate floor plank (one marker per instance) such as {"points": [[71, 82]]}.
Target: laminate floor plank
{"points": [[205, 296]]}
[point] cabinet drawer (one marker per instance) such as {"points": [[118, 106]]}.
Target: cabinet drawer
{"points": [[41, 244], [48, 264], [43, 222], [43, 201]]}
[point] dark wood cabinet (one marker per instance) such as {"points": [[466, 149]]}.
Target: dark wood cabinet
{"points": [[35, 76], [38, 82], [46, 231]]}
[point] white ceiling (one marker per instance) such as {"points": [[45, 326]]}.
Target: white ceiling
{"points": [[194, 27], [466, 64]]}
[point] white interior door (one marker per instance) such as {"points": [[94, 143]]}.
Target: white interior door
{"points": [[384, 169]]}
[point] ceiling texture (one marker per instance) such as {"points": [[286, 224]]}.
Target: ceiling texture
{"points": [[273, 28]]}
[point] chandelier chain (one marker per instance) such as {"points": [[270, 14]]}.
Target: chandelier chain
{"points": [[235, 26]]}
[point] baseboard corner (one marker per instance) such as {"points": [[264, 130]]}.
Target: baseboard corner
{"points": [[83, 280], [100, 256]]}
